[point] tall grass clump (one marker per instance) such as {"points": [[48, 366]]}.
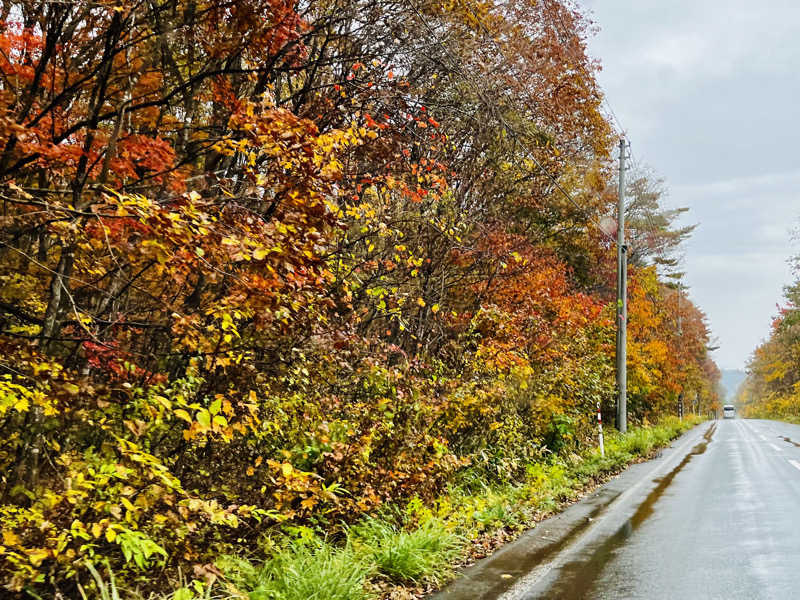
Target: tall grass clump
{"points": [[639, 441], [303, 569], [423, 553]]}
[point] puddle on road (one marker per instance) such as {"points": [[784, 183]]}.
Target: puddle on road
{"points": [[789, 440], [517, 559], [512, 564], [578, 577]]}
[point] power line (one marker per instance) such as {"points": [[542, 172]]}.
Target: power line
{"points": [[637, 166]]}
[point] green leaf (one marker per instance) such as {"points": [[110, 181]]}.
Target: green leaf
{"points": [[183, 593], [204, 418]]}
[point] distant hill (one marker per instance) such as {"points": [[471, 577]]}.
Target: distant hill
{"points": [[731, 380]]}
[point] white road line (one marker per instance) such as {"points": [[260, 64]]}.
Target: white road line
{"points": [[774, 447], [795, 464], [762, 437]]}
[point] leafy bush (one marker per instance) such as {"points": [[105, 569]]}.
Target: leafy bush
{"points": [[559, 433]]}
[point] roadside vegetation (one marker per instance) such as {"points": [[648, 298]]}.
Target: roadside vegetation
{"points": [[772, 387], [407, 551], [288, 284]]}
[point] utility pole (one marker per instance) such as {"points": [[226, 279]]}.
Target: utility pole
{"points": [[680, 333], [600, 429], [622, 299]]}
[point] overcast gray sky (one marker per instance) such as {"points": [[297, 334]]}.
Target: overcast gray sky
{"points": [[708, 91]]}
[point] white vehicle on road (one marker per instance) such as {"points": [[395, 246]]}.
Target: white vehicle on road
{"points": [[728, 411]]}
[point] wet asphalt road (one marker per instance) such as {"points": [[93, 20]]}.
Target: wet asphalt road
{"points": [[720, 520]]}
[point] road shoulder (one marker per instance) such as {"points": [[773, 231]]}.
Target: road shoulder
{"points": [[520, 563]]}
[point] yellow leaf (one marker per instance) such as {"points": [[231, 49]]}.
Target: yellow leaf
{"points": [[10, 538], [111, 535], [182, 414], [260, 253], [37, 555], [286, 469], [420, 301], [227, 407], [97, 529], [250, 471]]}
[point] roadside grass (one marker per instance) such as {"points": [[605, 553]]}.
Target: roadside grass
{"points": [[301, 569], [419, 546], [421, 553]]}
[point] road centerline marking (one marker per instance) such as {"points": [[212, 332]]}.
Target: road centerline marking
{"points": [[794, 463], [774, 447]]}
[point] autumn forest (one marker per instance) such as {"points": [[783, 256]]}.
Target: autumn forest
{"points": [[274, 272]]}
